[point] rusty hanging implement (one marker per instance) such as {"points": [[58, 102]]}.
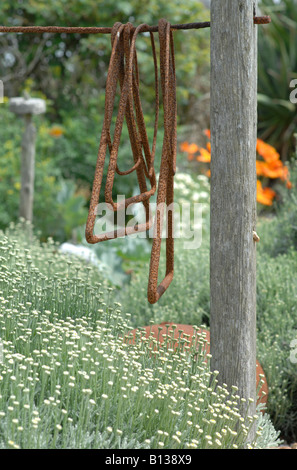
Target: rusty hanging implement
{"points": [[123, 46], [144, 167], [123, 68], [123, 39], [165, 196]]}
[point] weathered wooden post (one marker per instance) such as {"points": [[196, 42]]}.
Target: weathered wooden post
{"points": [[233, 195], [27, 107]]}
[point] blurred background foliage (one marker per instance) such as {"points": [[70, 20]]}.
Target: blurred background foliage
{"points": [[59, 205], [277, 116], [69, 71]]}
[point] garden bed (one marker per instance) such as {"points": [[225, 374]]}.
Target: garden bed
{"points": [[69, 380]]}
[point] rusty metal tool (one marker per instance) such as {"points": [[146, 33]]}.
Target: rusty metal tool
{"points": [[129, 94], [165, 196]]}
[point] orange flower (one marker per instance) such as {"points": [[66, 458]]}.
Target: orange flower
{"points": [[207, 133], [289, 185], [267, 151], [260, 168], [193, 148], [189, 148], [204, 156], [285, 174], [56, 131], [265, 195], [273, 169], [285, 177], [184, 146]]}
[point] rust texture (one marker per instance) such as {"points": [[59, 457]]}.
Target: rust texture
{"points": [[123, 68], [108, 30], [165, 194], [129, 92], [262, 19]]}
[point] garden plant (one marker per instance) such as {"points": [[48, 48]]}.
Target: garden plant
{"points": [[72, 378], [72, 375]]}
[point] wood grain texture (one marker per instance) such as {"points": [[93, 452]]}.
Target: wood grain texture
{"points": [[233, 194]]}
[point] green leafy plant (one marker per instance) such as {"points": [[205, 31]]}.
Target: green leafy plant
{"points": [[187, 300], [277, 68], [71, 69], [58, 206], [276, 328], [279, 233], [72, 378]]}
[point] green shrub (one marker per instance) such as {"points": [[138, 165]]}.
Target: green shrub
{"points": [[276, 305], [72, 69], [187, 301], [58, 207], [276, 328], [277, 68], [279, 232], [69, 380]]}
